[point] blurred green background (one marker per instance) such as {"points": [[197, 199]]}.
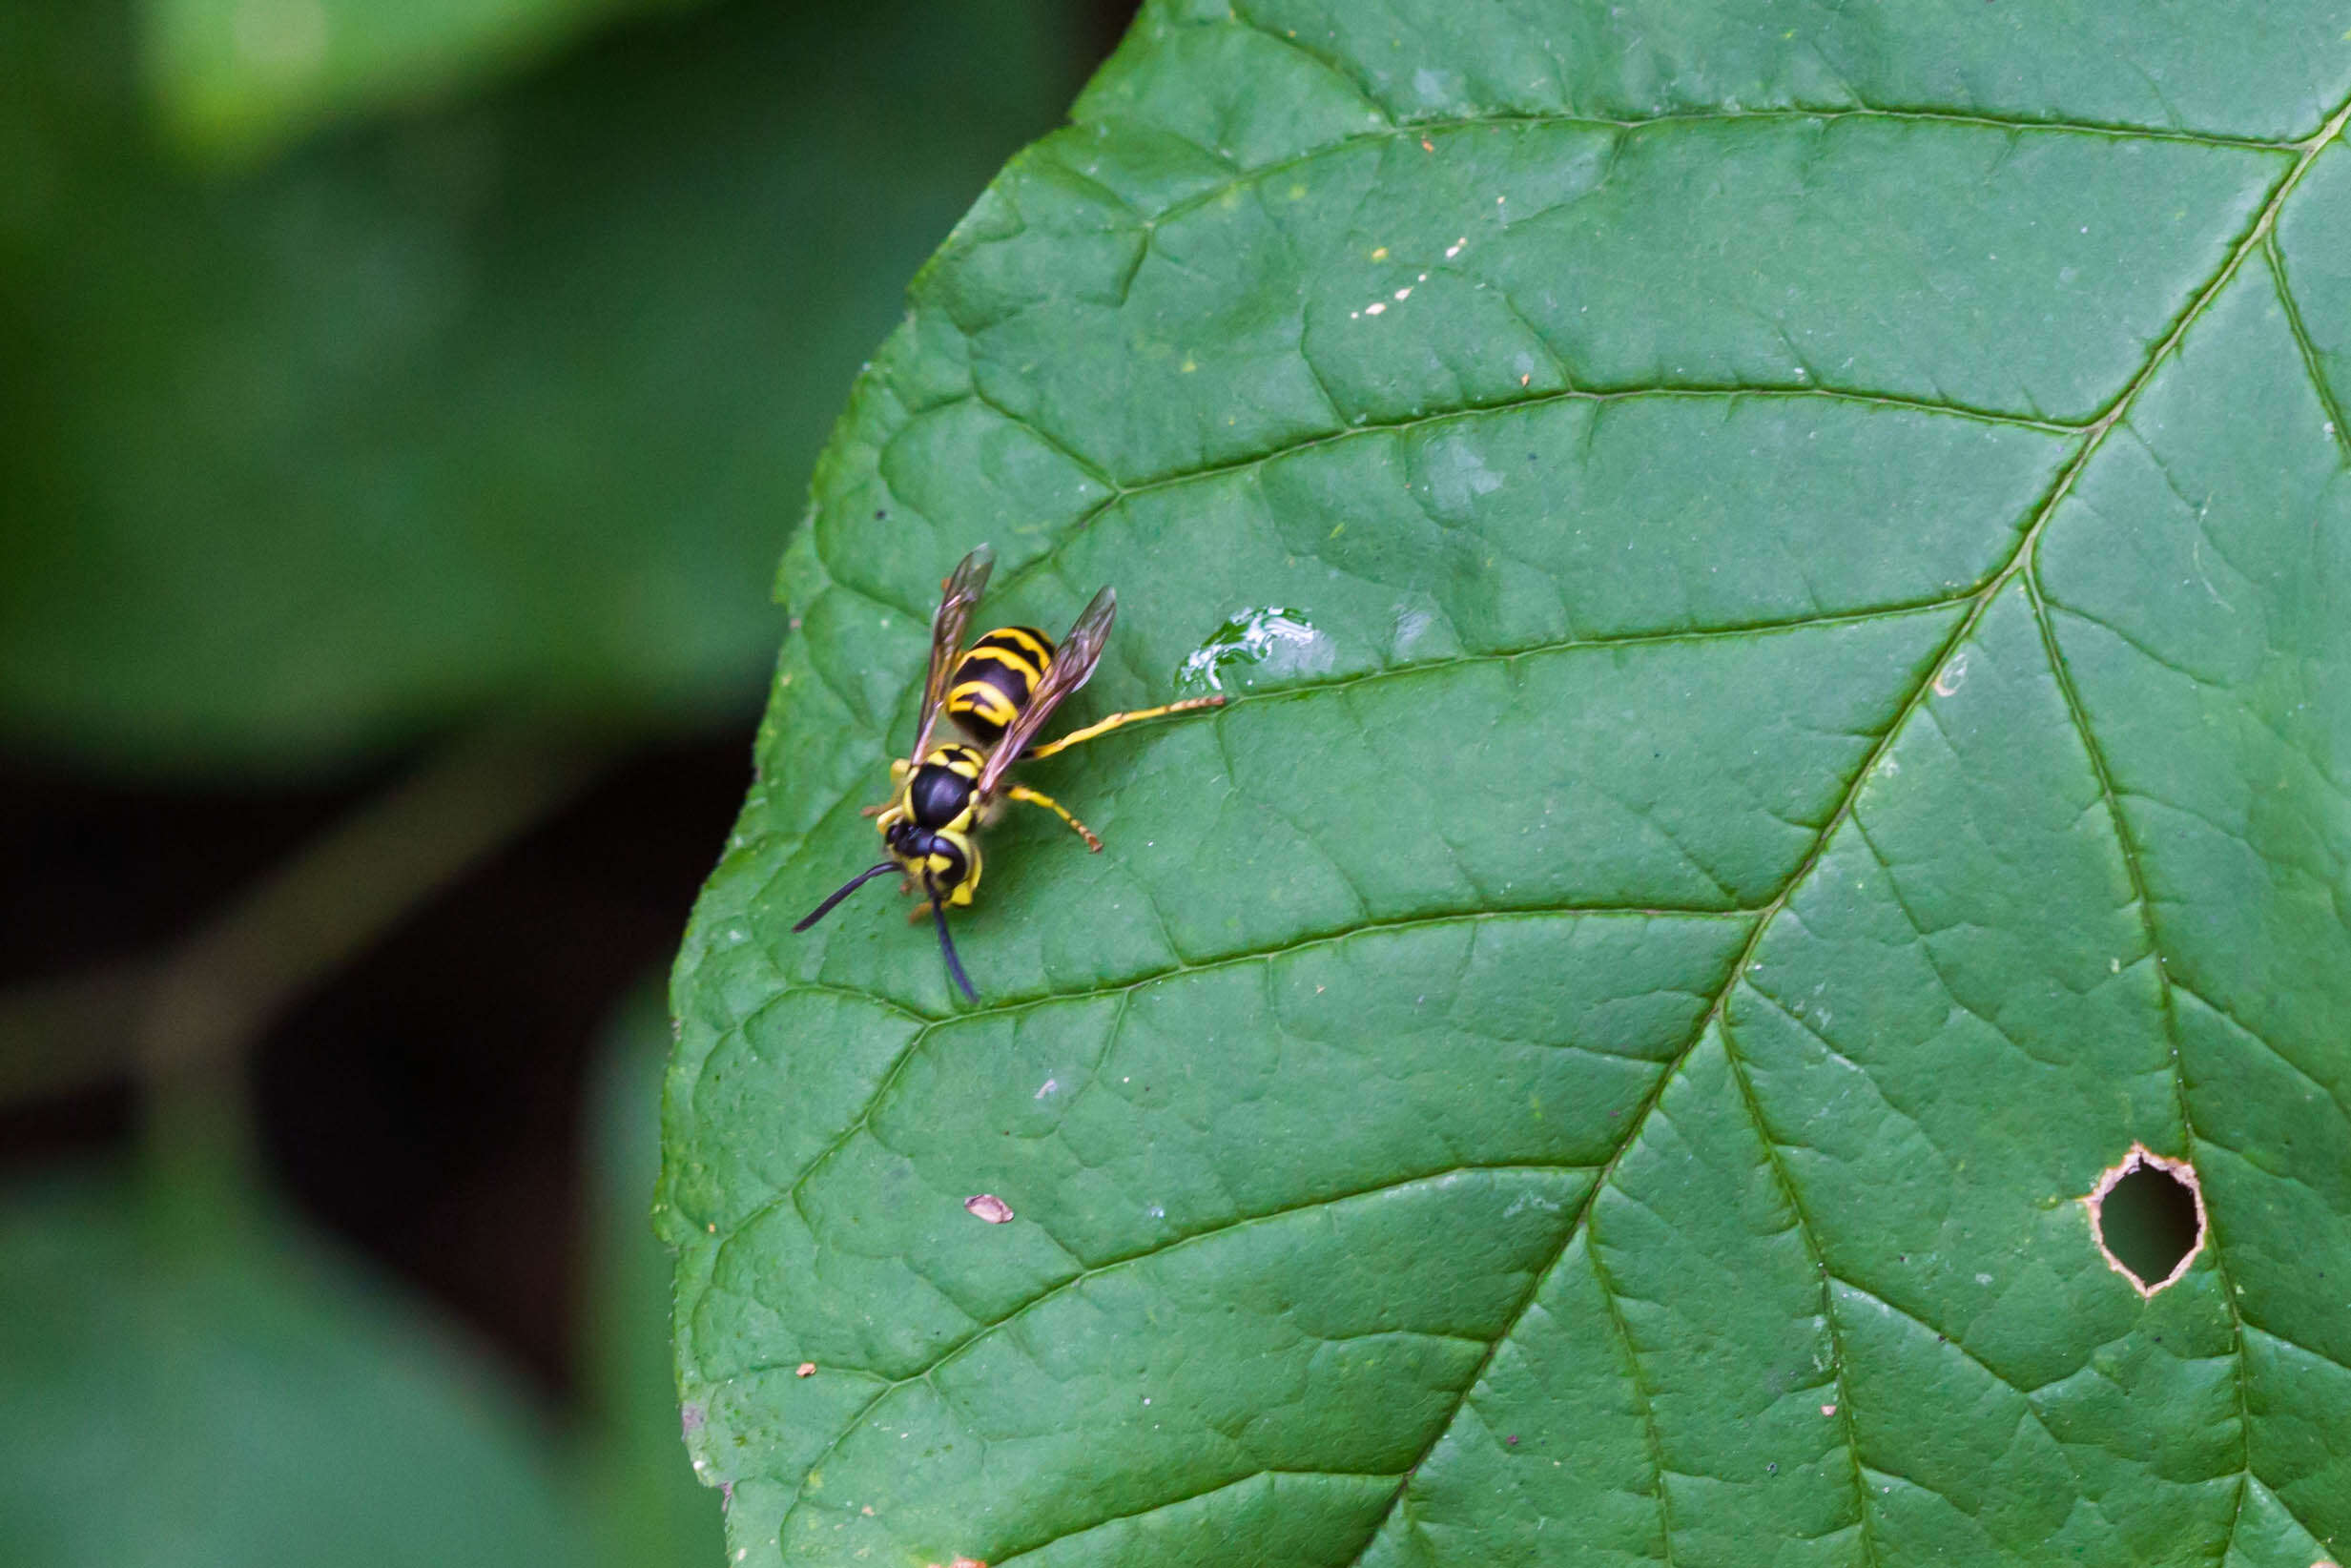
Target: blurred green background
{"points": [[402, 407]]}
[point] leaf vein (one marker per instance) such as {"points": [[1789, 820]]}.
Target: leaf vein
{"points": [[1808, 1232], [981, 1331], [2312, 366], [2334, 1097], [1443, 124], [932, 1023], [1019, 1552], [1638, 1120], [2167, 1008], [1654, 1439]]}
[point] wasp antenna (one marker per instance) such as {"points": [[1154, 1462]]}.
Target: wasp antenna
{"points": [[946, 944], [846, 889]]}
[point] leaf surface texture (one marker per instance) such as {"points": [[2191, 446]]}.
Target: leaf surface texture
{"points": [[1827, 722]]}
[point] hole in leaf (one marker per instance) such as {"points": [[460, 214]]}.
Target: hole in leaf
{"points": [[2148, 1215]]}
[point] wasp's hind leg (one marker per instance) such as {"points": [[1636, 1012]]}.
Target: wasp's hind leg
{"points": [[1119, 721], [1022, 792]]}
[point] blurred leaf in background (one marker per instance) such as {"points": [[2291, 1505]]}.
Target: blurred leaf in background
{"points": [[189, 1375], [508, 403], [201, 1384], [655, 1513], [239, 77], [372, 371]]}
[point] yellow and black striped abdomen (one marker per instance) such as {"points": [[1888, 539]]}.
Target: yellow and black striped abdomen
{"points": [[994, 679]]}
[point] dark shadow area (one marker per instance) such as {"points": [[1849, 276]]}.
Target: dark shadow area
{"points": [[425, 1103]]}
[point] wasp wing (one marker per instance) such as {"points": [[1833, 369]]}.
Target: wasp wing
{"points": [[960, 592], [1073, 664]]}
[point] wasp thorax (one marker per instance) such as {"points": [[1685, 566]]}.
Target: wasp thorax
{"points": [[940, 789]]}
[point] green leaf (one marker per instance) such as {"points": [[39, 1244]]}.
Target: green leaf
{"points": [[650, 1512], [226, 1391], [1827, 722], [499, 406], [240, 75]]}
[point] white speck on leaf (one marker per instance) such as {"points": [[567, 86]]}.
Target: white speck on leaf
{"points": [[1458, 474], [1412, 625]]}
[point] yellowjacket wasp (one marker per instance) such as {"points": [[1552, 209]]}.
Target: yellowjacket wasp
{"points": [[999, 692]]}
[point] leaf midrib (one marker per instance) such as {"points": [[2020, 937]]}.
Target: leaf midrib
{"points": [[2020, 562]]}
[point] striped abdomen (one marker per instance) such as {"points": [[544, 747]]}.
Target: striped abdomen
{"points": [[995, 678]]}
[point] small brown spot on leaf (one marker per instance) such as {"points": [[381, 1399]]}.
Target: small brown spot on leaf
{"points": [[805, 1369]]}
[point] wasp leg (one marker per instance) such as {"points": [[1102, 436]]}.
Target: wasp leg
{"points": [[1116, 721], [873, 810], [1022, 792], [920, 913]]}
